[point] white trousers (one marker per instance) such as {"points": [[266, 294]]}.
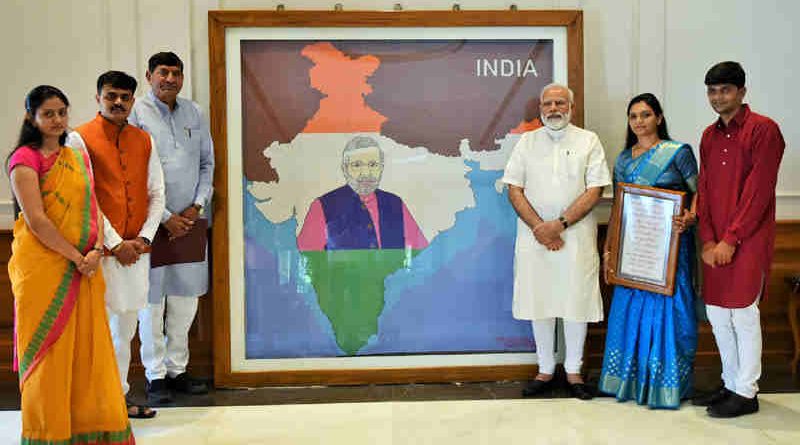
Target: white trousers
{"points": [[544, 331], [123, 328], [738, 336], [168, 354]]}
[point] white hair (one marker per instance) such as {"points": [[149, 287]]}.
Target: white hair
{"points": [[359, 143], [560, 86]]}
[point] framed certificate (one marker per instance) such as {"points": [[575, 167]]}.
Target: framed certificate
{"points": [[643, 250]]}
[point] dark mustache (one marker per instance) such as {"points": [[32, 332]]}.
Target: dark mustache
{"points": [[117, 108]]}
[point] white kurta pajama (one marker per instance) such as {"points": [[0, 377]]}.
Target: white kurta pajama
{"points": [[553, 173], [127, 287], [187, 157]]}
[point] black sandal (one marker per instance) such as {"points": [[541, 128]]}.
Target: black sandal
{"points": [[142, 411]]}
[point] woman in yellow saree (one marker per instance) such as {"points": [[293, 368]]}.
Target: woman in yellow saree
{"points": [[63, 352]]}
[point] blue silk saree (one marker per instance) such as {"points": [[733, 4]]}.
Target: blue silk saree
{"points": [[652, 338]]}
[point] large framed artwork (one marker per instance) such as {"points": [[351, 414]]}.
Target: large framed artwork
{"points": [[361, 232]]}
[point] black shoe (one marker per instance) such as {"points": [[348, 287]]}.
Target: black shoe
{"points": [[580, 391], [186, 384], [158, 393], [537, 387], [734, 406], [711, 398], [139, 411]]}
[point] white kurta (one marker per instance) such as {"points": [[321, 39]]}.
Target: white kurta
{"points": [[127, 286], [554, 168], [187, 159]]}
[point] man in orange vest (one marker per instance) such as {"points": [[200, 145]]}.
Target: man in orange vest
{"points": [[130, 193]]}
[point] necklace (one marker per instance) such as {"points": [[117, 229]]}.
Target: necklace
{"points": [[637, 150]]}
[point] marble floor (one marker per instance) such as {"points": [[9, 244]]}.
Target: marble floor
{"points": [[463, 422], [445, 413]]}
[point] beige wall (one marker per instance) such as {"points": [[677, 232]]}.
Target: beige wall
{"points": [[631, 46]]}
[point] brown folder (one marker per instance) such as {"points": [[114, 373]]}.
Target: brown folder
{"points": [[190, 248]]}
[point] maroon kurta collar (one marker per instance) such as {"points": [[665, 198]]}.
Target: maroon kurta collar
{"points": [[739, 119]]}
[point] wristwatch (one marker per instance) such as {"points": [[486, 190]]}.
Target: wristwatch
{"points": [[563, 221]]}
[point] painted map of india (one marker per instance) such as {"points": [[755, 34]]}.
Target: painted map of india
{"points": [[420, 155], [349, 283]]}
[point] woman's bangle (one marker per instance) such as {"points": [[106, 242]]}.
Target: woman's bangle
{"points": [[98, 248]]}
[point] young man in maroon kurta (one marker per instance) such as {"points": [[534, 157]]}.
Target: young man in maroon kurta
{"points": [[740, 155]]}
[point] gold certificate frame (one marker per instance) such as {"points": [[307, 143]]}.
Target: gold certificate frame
{"points": [[643, 246]]}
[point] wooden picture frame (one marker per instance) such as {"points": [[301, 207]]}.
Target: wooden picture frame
{"points": [[221, 23], [637, 258]]}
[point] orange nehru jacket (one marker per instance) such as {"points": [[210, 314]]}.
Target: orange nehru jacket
{"points": [[120, 158]]}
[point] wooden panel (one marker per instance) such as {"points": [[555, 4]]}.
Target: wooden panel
{"points": [[370, 376], [778, 343], [777, 336], [200, 336], [219, 249], [7, 376], [6, 299]]}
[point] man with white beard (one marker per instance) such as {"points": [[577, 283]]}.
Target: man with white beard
{"points": [[359, 215], [555, 176]]}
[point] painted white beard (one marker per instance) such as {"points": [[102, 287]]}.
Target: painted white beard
{"points": [[363, 189]]}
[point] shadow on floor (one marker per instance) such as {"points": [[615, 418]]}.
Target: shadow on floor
{"points": [[774, 380]]}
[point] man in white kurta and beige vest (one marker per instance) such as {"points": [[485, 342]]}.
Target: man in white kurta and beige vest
{"points": [[555, 176], [130, 193], [187, 158]]}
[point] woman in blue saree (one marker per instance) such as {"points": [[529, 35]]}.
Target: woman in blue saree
{"points": [[652, 338]]}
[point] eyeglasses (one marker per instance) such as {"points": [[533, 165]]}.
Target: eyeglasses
{"points": [[362, 164]]}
